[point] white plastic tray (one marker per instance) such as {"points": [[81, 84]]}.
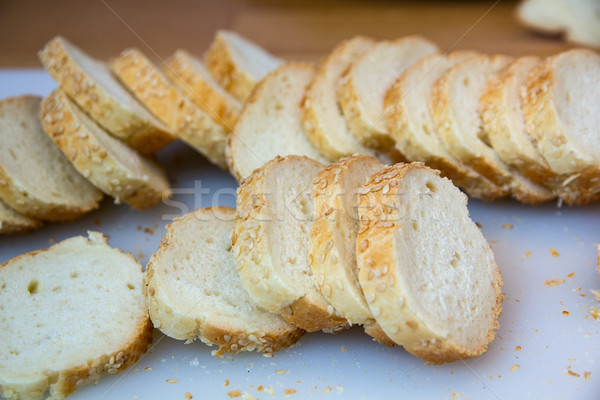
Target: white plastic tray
{"points": [[547, 347]]}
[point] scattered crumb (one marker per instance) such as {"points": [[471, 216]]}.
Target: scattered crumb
{"points": [[587, 375], [565, 312], [289, 391], [515, 367], [188, 396], [572, 373], [281, 371], [173, 380], [327, 390], [51, 240], [140, 255], [269, 389], [148, 369], [226, 383], [259, 388], [507, 226], [234, 393], [554, 252], [151, 230], [139, 227], [527, 254], [97, 222], [572, 274], [518, 348], [344, 348], [587, 335], [594, 312], [478, 225], [554, 282]]}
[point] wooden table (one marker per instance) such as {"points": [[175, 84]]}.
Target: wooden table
{"points": [[294, 29]]}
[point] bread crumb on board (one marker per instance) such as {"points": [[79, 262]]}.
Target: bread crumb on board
{"points": [[507, 226], [554, 252], [289, 391], [172, 380], [188, 396], [234, 393], [528, 254], [554, 282], [515, 367]]}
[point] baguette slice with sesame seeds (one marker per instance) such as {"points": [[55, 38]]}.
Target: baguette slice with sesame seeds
{"points": [[270, 243], [438, 298], [193, 79], [107, 162], [92, 86], [36, 179], [270, 123], [237, 63], [70, 314], [14, 222], [167, 102], [193, 290]]}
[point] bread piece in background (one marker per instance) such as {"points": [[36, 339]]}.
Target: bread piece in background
{"points": [[14, 222], [270, 123], [271, 243], [237, 63], [105, 161], [365, 83], [36, 179], [438, 297], [71, 314], [153, 89], [410, 124], [561, 114], [195, 81], [193, 289], [93, 87]]}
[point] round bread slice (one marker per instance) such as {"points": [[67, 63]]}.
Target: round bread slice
{"points": [[237, 63], [92, 86], [195, 81], [456, 110], [365, 83], [70, 314], [271, 243], [427, 272], [178, 112], [410, 124], [36, 179], [561, 113], [104, 160], [193, 290], [14, 222], [270, 123], [321, 113]]}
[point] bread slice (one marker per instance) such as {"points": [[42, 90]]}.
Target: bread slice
{"points": [[438, 298], [104, 160], [36, 179], [170, 105], [456, 110], [270, 123], [410, 124], [14, 222], [193, 290], [271, 243], [237, 63], [70, 314], [195, 81], [579, 20], [561, 113], [321, 113], [92, 86], [366, 82]]}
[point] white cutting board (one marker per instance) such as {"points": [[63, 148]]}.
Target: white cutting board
{"points": [[547, 344]]}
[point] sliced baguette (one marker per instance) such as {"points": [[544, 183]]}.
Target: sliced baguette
{"points": [[92, 86], [271, 243], [366, 82], [193, 79], [270, 123], [104, 160], [561, 113], [438, 298], [71, 314], [237, 63], [14, 222], [170, 105], [36, 179], [409, 122], [456, 110], [321, 113], [193, 290]]}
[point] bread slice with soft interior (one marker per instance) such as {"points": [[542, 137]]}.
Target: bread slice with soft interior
{"points": [[14, 222], [104, 160], [195, 81], [365, 83], [561, 113], [36, 179], [93, 87], [321, 113], [410, 124], [271, 243], [170, 105], [237, 63], [456, 110], [438, 298], [194, 292], [70, 314], [270, 123]]}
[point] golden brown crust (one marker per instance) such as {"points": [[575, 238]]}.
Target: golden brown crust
{"points": [[140, 132], [176, 110], [12, 222], [90, 157]]}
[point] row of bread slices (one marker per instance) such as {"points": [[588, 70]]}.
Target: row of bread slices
{"points": [[310, 247]]}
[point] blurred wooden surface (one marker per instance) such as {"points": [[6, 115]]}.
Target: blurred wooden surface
{"points": [[293, 29]]}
